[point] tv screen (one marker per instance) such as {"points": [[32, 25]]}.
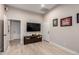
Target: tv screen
{"points": [[33, 27]]}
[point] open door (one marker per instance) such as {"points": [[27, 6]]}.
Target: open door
{"points": [[6, 33]]}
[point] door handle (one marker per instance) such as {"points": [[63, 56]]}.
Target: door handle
{"points": [[4, 35]]}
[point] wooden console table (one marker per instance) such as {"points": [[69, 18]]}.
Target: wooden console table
{"points": [[32, 39]]}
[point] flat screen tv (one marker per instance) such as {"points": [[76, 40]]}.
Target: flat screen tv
{"points": [[33, 27]]}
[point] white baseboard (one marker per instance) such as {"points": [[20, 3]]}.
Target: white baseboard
{"points": [[68, 50]]}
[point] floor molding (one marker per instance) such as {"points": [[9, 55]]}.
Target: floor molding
{"points": [[68, 50]]}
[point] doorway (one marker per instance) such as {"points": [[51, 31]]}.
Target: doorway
{"points": [[15, 32]]}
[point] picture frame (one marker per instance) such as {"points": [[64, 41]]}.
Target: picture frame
{"points": [[66, 21], [77, 17], [55, 22]]}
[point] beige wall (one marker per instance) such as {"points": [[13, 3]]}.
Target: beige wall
{"points": [[1, 11], [24, 17], [64, 36]]}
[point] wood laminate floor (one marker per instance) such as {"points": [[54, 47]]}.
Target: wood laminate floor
{"points": [[39, 48]]}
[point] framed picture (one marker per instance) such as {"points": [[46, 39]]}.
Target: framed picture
{"points": [[66, 21], [77, 17], [55, 22]]}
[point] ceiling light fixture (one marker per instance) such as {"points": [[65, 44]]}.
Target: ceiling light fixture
{"points": [[43, 8], [42, 5]]}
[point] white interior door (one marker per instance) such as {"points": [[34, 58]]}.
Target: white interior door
{"points": [[46, 30], [6, 33]]}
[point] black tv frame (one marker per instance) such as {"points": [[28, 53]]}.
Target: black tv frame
{"points": [[33, 30]]}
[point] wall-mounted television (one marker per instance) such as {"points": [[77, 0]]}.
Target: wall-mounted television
{"points": [[33, 27]]}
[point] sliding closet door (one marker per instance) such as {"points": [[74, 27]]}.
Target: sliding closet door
{"points": [[1, 36]]}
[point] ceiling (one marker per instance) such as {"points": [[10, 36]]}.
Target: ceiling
{"points": [[36, 8]]}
